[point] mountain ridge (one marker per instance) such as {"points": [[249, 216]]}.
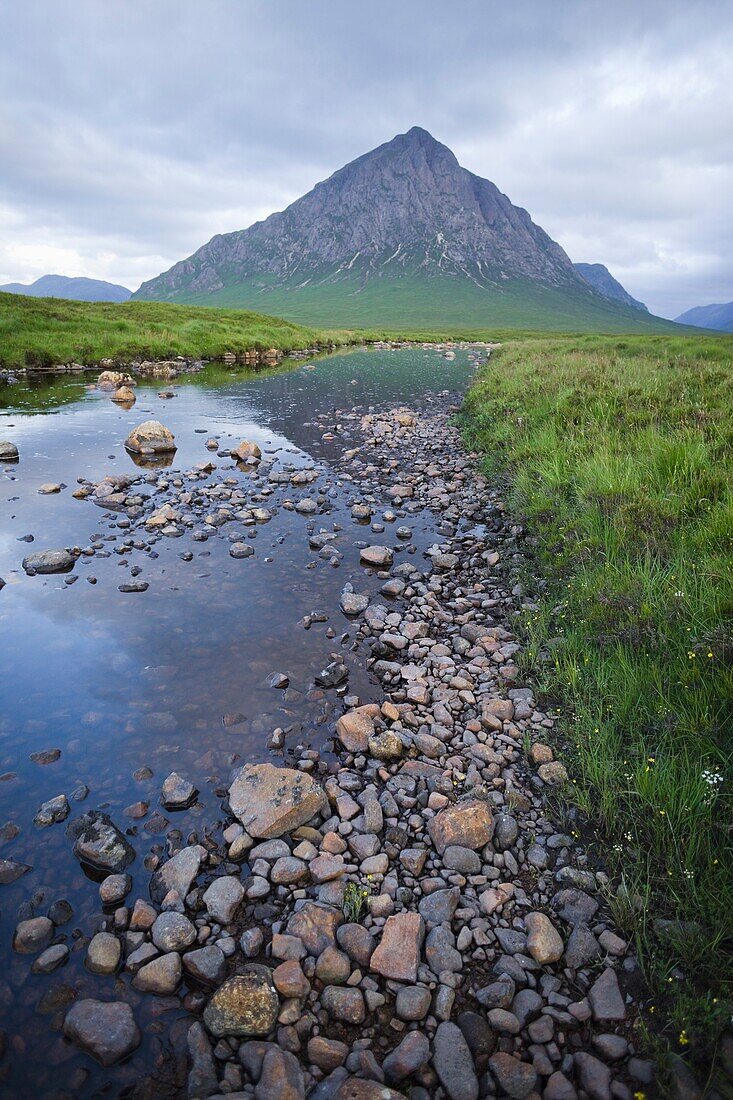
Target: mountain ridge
{"points": [[600, 278], [74, 288], [717, 316], [401, 224]]}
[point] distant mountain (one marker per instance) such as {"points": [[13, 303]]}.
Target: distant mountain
{"points": [[601, 279], [78, 289], [718, 317], [401, 237]]}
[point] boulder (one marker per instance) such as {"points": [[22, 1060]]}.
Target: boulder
{"points": [[223, 898], [177, 792], [355, 728], [453, 1063], [49, 561], [247, 452], [104, 1029], [544, 942], [270, 801], [178, 874], [124, 396], [8, 451], [149, 438], [378, 557], [99, 845], [245, 1005], [466, 824]]}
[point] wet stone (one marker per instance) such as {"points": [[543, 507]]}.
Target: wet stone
{"points": [[33, 935], [161, 976], [177, 792], [172, 932], [103, 954], [104, 1029]]}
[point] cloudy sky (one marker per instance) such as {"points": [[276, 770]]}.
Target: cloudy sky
{"points": [[131, 133]]}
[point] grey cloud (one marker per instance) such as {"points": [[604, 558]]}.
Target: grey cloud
{"points": [[131, 134]]}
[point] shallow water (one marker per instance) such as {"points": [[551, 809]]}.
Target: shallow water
{"points": [[174, 678]]}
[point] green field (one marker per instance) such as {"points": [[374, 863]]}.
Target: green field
{"points": [[406, 303], [619, 453], [44, 331]]}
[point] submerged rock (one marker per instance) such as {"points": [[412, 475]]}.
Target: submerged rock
{"points": [[104, 1029], [99, 844]]}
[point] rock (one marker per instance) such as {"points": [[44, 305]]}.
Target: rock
{"points": [[332, 675], [378, 557], [605, 997], [516, 1078], [270, 801], [397, 955], [289, 979], [355, 728], [114, 889], [33, 935], [554, 773], [49, 561], [10, 871], [386, 746], [352, 603], [104, 1029], [150, 437], [124, 396], [161, 976], [544, 942], [177, 793], [223, 898], [99, 844], [479, 1036], [559, 1088], [55, 810], [594, 1076], [357, 1088], [412, 1002], [50, 959], [172, 931], [8, 451], [178, 874], [315, 926], [49, 488], [281, 1077], [241, 550], [109, 378], [582, 947], [407, 1058], [246, 452], [357, 941], [344, 1004], [440, 906], [202, 1076], [206, 965], [466, 824], [506, 832], [245, 1005], [327, 1054], [103, 953], [453, 1063], [440, 951]]}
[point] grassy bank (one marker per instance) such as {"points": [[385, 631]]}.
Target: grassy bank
{"points": [[44, 331], [620, 454]]}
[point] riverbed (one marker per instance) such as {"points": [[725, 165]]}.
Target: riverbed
{"points": [[105, 692]]}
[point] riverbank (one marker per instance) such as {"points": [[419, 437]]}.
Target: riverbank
{"points": [[404, 912], [618, 453]]}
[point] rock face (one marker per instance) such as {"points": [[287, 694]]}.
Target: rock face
{"points": [[245, 1005], [270, 801], [150, 438], [100, 845], [466, 824], [406, 210], [104, 1029], [49, 561]]}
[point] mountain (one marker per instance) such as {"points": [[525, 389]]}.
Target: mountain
{"points": [[719, 317], [601, 279], [78, 289], [401, 237]]}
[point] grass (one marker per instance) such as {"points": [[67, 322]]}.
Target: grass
{"points": [[407, 302], [619, 452], [44, 331]]}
